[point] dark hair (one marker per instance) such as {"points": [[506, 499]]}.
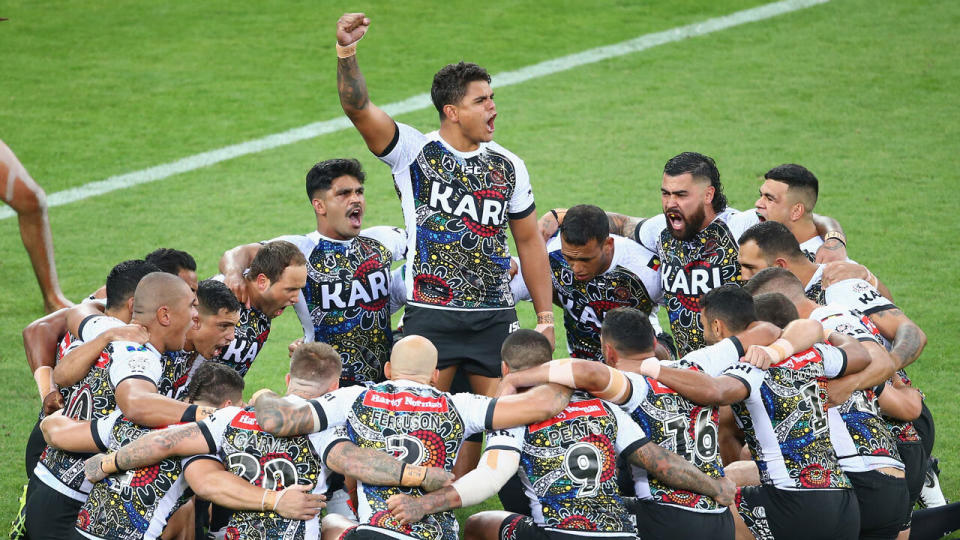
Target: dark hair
{"points": [[315, 361], [774, 240], [273, 258], [123, 279], [213, 295], [213, 382], [171, 261], [628, 330], [321, 175], [450, 83], [730, 304], [797, 177], [775, 308], [525, 348], [699, 166], [775, 279], [585, 222]]}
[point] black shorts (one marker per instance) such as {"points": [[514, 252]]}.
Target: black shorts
{"points": [[35, 447], [926, 429], [657, 521], [51, 514], [469, 339], [915, 460], [802, 515], [517, 527], [366, 532], [884, 504]]}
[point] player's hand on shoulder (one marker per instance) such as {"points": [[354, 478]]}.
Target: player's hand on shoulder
{"points": [[235, 282], [405, 508], [836, 271], [351, 27], [547, 331], [437, 478], [759, 357], [92, 470], [52, 402], [299, 503], [548, 224], [129, 332]]}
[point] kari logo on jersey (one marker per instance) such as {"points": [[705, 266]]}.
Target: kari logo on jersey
{"points": [[692, 281], [405, 402], [800, 360], [486, 208], [246, 420], [593, 408], [360, 292]]}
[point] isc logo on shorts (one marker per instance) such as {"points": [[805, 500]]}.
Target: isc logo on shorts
{"points": [[513, 327]]}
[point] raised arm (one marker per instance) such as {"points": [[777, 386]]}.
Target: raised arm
{"points": [[75, 365], [380, 469], [536, 271], [376, 126], [534, 405], [677, 472], [833, 249], [233, 262], [153, 447]]}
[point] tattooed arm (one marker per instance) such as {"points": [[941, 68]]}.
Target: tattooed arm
{"points": [[624, 225], [675, 471], [184, 440], [376, 126], [380, 469], [908, 339], [282, 417], [832, 249]]}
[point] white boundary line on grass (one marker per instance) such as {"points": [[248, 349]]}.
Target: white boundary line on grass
{"points": [[420, 101]]}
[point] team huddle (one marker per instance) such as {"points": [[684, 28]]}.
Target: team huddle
{"points": [[775, 404]]}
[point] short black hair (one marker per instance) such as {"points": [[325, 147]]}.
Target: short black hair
{"points": [[775, 279], [628, 330], [774, 240], [171, 261], [585, 222], [730, 304], [316, 362], [123, 279], [273, 258], [775, 308], [797, 177], [213, 382], [213, 295], [321, 175], [699, 166], [450, 83], [525, 348]]}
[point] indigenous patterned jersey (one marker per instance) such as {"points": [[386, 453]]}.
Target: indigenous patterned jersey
{"points": [[419, 425], [253, 328], [568, 466], [810, 247], [270, 462], [679, 426], [177, 367], [903, 432], [59, 469], [784, 419], [346, 302], [455, 208], [691, 268], [135, 503], [632, 280], [814, 289]]}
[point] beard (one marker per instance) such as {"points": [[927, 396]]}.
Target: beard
{"points": [[691, 225]]}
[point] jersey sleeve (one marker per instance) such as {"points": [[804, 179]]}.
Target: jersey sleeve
{"points": [[834, 360], [638, 391], [332, 408], [214, 426], [303, 243], [476, 411], [521, 203], [739, 222], [134, 361], [630, 435], [713, 360], [642, 262], [843, 322], [403, 149], [505, 439], [518, 287], [94, 325], [655, 320], [102, 430], [393, 238], [857, 294], [322, 441], [647, 233], [398, 288], [750, 376]]}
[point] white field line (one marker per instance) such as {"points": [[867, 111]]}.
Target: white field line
{"points": [[421, 101]]}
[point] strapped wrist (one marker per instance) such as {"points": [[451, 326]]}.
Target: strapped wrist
{"points": [[42, 376], [412, 475]]}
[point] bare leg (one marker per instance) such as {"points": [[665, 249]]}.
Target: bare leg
{"points": [[180, 526], [445, 380], [29, 201], [484, 525], [333, 526]]}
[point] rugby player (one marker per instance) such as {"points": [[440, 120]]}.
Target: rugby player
{"points": [[459, 190], [594, 272], [279, 464], [568, 462], [408, 416], [345, 302]]}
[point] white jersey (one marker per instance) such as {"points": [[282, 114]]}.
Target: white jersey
{"points": [[455, 207], [858, 295]]}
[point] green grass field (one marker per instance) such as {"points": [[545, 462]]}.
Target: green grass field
{"points": [[863, 93]]}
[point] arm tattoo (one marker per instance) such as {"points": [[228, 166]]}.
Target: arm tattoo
{"points": [[833, 246], [622, 225], [351, 85], [907, 344], [154, 447], [673, 470], [365, 464], [283, 418]]}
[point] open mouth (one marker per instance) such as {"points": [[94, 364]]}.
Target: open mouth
{"points": [[490, 123], [675, 220], [355, 217], [762, 217]]}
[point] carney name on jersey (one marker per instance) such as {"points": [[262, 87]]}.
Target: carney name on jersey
{"points": [[632, 280], [784, 419], [346, 302], [455, 208], [691, 268], [568, 466], [236, 440], [417, 424], [134, 503]]}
